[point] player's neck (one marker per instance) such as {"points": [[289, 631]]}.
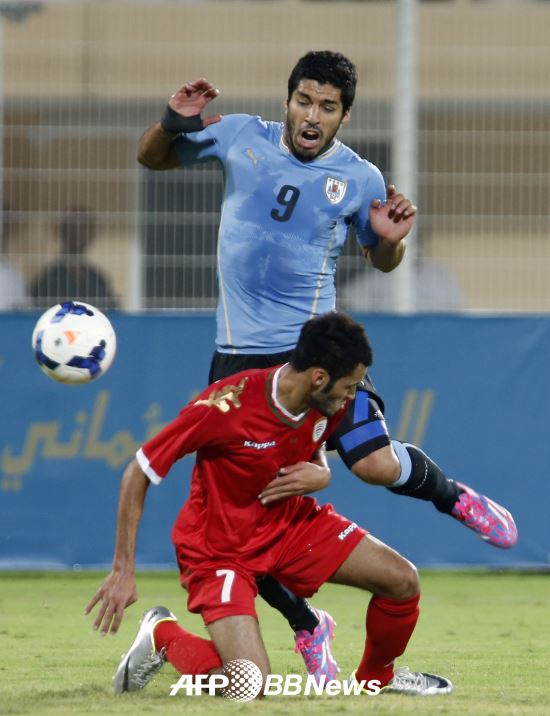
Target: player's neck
{"points": [[291, 391], [287, 145]]}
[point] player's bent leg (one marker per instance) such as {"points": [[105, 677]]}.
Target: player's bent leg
{"points": [[381, 467], [391, 616], [239, 637], [426, 481], [364, 444], [407, 470], [374, 566]]}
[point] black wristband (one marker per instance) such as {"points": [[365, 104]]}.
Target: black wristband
{"points": [[174, 123]]}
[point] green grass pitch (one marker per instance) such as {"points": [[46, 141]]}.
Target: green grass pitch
{"points": [[488, 632]]}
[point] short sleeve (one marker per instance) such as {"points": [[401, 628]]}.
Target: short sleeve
{"points": [[375, 188], [195, 427], [213, 142]]}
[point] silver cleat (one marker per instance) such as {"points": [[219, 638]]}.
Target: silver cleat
{"points": [[142, 661], [417, 683]]}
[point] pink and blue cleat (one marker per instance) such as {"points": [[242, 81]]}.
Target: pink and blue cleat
{"points": [[488, 519], [315, 648]]}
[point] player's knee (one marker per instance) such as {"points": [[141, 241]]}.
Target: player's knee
{"points": [[379, 468], [411, 581], [402, 581], [405, 582]]}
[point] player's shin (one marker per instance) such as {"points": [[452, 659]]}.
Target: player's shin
{"points": [[423, 479], [297, 611], [390, 624]]}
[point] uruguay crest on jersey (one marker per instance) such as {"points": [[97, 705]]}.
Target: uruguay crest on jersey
{"points": [[335, 189]]}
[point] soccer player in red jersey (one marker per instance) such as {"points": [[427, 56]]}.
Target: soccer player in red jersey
{"points": [[245, 430]]}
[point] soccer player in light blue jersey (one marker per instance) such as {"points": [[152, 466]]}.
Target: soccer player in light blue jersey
{"points": [[292, 190]]}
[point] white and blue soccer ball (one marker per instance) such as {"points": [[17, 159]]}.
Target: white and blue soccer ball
{"points": [[74, 342]]}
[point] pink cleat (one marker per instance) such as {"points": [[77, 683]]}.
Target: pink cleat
{"points": [[489, 520], [315, 648]]}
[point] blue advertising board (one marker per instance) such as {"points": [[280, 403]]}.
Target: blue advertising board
{"points": [[473, 392]]}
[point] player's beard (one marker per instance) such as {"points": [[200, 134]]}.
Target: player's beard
{"points": [[299, 152], [325, 403]]}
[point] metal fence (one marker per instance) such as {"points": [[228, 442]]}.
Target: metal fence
{"points": [[81, 81]]}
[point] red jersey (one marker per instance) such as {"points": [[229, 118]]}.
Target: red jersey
{"points": [[242, 437]]}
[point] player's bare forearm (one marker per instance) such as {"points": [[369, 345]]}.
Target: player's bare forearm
{"points": [[155, 150], [118, 589], [182, 115], [300, 479], [133, 489], [391, 221]]}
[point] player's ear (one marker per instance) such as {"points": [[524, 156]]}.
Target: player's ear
{"points": [[285, 106], [319, 378], [346, 117]]}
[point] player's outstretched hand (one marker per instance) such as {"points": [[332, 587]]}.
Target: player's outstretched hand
{"points": [[192, 98], [299, 479], [116, 593], [392, 220]]}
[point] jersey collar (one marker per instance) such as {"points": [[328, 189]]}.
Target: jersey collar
{"points": [[336, 143], [280, 411]]}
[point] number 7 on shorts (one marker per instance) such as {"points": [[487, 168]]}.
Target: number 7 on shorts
{"points": [[229, 576]]}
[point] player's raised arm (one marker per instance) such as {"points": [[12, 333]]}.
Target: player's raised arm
{"points": [[119, 587], [181, 115], [391, 221]]}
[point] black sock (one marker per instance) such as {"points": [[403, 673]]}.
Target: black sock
{"points": [[296, 610], [427, 482]]}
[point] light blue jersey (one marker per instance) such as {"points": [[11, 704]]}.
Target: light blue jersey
{"points": [[283, 225]]}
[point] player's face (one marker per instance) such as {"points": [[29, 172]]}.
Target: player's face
{"points": [[332, 397], [314, 114]]}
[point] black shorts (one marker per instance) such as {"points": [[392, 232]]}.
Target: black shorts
{"points": [[362, 430]]}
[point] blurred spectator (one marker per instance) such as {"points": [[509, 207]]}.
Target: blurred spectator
{"points": [[434, 287], [13, 293], [71, 277]]}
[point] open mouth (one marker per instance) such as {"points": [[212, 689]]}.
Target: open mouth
{"points": [[309, 138]]}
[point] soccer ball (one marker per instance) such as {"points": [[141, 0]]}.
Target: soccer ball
{"points": [[74, 342]]}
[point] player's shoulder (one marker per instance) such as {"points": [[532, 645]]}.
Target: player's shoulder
{"points": [[244, 128], [250, 121], [361, 163], [235, 389], [252, 375], [360, 170]]}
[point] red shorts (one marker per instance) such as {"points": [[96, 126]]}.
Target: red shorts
{"points": [[313, 548]]}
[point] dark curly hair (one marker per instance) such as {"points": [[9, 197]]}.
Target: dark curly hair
{"points": [[332, 341], [326, 67]]}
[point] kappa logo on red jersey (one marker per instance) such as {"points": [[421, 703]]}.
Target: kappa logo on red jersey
{"points": [[222, 398], [259, 446]]}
